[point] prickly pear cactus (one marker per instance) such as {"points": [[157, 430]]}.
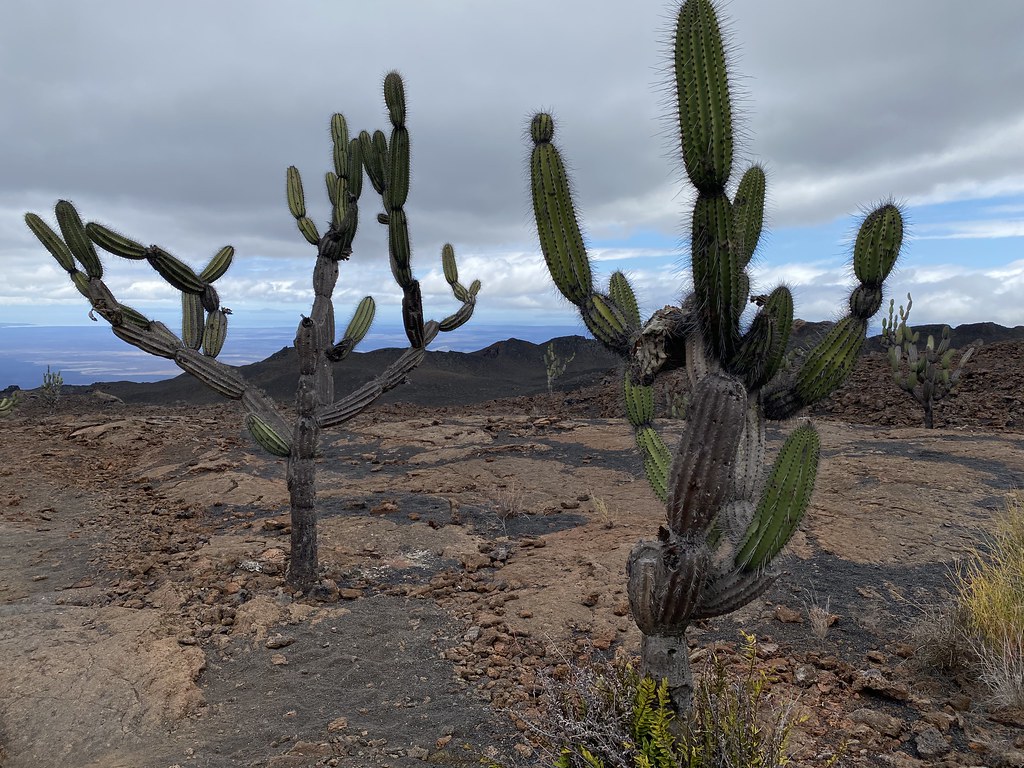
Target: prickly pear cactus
{"points": [[928, 374], [726, 520], [204, 322]]}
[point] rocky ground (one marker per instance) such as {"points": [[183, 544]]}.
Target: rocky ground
{"points": [[468, 552]]}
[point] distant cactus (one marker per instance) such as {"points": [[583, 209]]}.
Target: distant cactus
{"points": [[555, 365], [927, 375], [53, 385], [725, 522], [204, 321]]}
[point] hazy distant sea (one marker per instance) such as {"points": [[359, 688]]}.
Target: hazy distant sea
{"points": [[87, 354]]}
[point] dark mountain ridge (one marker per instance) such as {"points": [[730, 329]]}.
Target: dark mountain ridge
{"points": [[504, 369]]}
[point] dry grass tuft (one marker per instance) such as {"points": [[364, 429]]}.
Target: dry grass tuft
{"points": [[819, 617], [984, 626], [508, 501], [990, 585]]}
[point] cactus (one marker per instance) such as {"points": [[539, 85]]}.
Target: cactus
{"points": [[53, 383], [927, 375], [204, 322], [7, 403], [554, 365], [725, 524]]}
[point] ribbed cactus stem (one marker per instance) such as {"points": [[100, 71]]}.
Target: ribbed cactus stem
{"points": [[702, 89]]}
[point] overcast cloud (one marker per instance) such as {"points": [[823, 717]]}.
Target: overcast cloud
{"points": [[174, 122]]}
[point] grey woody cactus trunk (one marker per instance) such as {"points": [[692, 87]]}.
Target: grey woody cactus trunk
{"points": [[204, 321], [725, 519]]}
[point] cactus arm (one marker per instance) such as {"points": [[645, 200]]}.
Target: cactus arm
{"points": [[762, 349], [356, 331], [829, 363], [784, 500], [560, 237], [356, 402], [702, 86], [7, 403]]}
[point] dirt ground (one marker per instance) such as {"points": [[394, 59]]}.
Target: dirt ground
{"points": [[145, 621]]}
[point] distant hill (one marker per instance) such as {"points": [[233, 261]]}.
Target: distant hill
{"points": [[504, 369]]}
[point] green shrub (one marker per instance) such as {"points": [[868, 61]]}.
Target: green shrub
{"points": [[605, 715]]}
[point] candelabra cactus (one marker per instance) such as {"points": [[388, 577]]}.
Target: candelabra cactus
{"points": [[554, 365], [927, 375], [725, 522], [204, 320]]}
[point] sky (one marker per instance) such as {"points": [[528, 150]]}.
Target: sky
{"points": [[174, 124]]}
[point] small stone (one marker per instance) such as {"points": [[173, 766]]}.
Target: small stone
{"points": [[878, 721], [805, 675], [590, 599], [350, 593], [930, 744], [523, 750], [473, 561], [788, 615], [337, 724], [873, 681], [876, 656], [961, 702], [279, 641], [418, 753], [279, 660]]}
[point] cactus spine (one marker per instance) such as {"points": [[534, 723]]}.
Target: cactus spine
{"points": [[725, 521], [204, 322], [928, 374]]}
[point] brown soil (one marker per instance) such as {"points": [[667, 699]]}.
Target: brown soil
{"points": [[467, 550]]}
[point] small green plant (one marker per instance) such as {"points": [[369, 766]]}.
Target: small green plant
{"points": [[927, 375], [555, 365], [53, 383], [607, 715]]}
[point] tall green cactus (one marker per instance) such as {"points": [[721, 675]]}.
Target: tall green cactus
{"points": [[204, 322], [927, 375], [725, 522]]}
